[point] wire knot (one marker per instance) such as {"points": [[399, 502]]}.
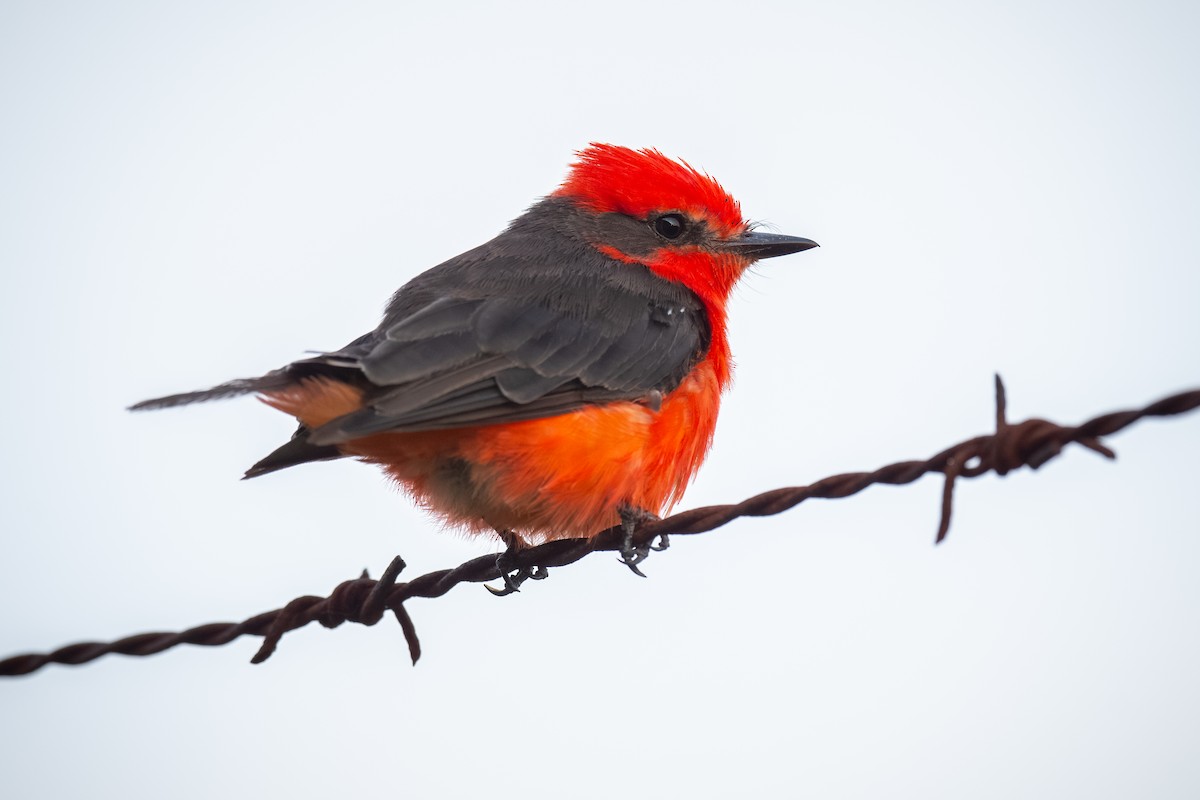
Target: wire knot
{"points": [[360, 600], [1030, 443]]}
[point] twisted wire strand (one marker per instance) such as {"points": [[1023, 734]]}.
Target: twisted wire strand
{"points": [[364, 600]]}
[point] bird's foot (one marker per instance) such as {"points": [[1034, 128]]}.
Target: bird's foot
{"points": [[512, 575], [632, 555]]}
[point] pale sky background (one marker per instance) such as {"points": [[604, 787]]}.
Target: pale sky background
{"points": [[194, 192]]}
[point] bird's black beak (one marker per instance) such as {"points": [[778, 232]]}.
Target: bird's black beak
{"points": [[754, 245]]}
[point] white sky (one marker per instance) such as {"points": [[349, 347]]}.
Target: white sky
{"points": [[193, 192]]}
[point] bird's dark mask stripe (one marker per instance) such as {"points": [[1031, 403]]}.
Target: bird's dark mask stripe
{"points": [[635, 238]]}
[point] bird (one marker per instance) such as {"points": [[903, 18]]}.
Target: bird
{"points": [[563, 378]]}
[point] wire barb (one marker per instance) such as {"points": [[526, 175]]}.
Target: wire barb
{"points": [[1031, 443]]}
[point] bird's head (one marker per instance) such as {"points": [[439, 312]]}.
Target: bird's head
{"points": [[641, 207]]}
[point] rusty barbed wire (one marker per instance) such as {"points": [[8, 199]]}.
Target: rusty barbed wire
{"points": [[364, 600]]}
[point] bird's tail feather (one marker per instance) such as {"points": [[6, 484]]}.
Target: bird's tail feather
{"points": [[297, 451], [277, 379]]}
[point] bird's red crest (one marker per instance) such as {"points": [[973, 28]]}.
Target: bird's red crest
{"points": [[608, 178]]}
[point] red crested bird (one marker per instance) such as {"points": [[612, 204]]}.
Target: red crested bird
{"points": [[560, 379]]}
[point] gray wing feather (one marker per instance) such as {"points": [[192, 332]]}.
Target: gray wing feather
{"points": [[499, 362]]}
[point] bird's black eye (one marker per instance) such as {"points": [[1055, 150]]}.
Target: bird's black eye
{"points": [[669, 226]]}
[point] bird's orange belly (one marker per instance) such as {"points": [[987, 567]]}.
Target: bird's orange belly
{"points": [[554, 477]]}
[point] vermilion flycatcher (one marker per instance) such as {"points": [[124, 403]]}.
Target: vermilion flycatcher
{"points": [[562, 378]]}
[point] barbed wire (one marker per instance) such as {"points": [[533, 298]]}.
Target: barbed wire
{"points": [[365, 600]]}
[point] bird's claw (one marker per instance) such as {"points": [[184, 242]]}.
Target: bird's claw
{"points": [[664, 541], [631, 555], [513, 578], [512, 583]]}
